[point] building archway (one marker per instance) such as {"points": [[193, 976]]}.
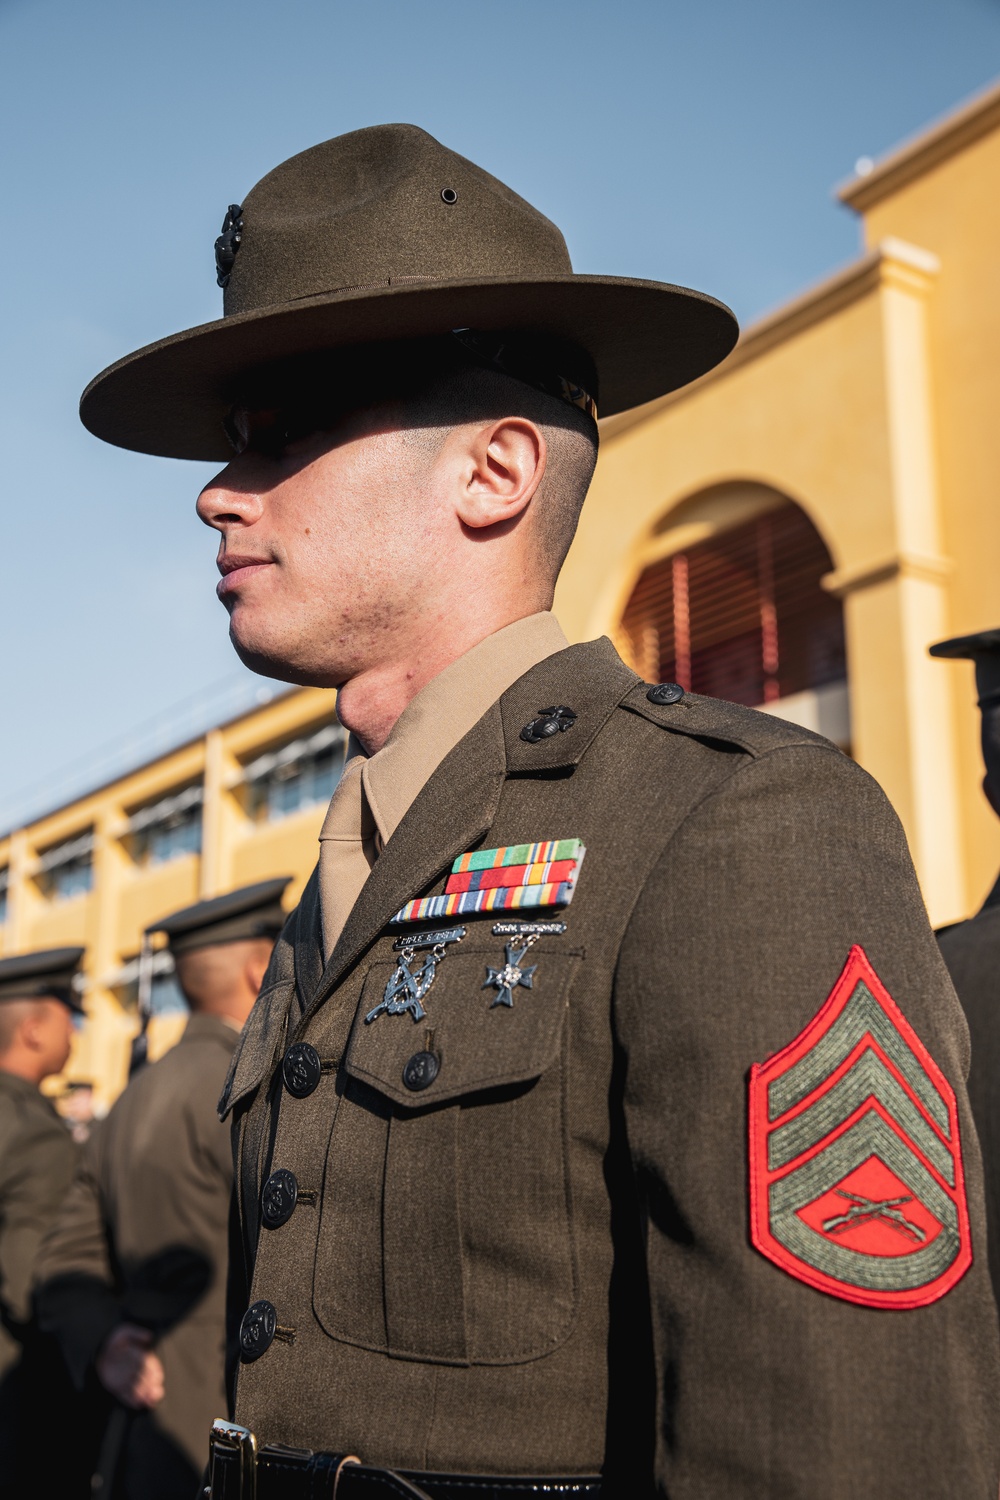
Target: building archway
{"points": [[729, 602]]}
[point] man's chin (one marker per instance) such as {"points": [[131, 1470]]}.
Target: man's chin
{"points": [[271, 661]]}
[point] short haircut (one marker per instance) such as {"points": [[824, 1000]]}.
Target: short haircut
{"points": [[438, 383], [209, 976], [13, 1014]]}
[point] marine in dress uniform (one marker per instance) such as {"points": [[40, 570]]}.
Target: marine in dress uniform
{"points": [[37, 1159], [972, 949], [132, 1275], [602, 1121]]}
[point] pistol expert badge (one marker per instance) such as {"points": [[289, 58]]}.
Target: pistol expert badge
{"points": [[514, 972], [406, 990]]}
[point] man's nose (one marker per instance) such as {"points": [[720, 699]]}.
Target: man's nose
{"points": [[226, 502]]}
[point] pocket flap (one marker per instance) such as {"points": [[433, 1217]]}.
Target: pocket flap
{"points": [[476, 1040]]}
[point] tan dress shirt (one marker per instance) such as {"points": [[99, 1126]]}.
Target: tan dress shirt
{"points": [[375, 793]]}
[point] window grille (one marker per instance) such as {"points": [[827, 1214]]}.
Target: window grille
{"points": [[741, 616], [297, 775], [67, 869], [166, 829]]}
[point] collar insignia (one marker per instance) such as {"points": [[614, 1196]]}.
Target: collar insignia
{"points": [[512, 878]]}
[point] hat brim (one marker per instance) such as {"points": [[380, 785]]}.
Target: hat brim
{"points": [[645, 338], [967, 647]]}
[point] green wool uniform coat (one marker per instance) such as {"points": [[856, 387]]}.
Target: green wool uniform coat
{"points": [[542, 1263], [142, 1238], [972, 952], [37, 1159]]}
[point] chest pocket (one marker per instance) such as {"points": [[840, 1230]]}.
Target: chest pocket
{"points": [[445, 1232]]}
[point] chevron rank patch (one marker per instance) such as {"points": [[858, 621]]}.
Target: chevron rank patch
{"points": [[515, 877], [856, 1183]]}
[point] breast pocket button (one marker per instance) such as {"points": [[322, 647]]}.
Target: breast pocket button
{"points": [[421, 1071]]}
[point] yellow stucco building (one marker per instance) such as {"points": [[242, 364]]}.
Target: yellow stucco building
{"points": [[793, 531]]}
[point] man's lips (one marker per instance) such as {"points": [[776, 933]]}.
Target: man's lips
{"points": [[236, 570]]}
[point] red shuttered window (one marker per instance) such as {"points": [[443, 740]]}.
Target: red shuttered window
{"points": [[741, 616]]}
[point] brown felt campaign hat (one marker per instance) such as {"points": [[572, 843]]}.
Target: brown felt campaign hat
{"points": [[385, 235]]}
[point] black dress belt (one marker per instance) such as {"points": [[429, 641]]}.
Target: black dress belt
{"points": [[241, 1471]]}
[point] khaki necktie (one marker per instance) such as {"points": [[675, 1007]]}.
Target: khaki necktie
{"points": [[347, 850]]}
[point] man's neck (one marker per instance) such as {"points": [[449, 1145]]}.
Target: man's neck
{"points": [[21, 1067], [370, 703]]}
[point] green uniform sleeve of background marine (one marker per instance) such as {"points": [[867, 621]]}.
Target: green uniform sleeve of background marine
{"points": [[37, 1156], [765, 1385], [77, 1295]]}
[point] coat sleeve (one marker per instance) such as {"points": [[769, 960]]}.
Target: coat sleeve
{"points": [[765, 1383], [77, 1287], [36, 1175]]}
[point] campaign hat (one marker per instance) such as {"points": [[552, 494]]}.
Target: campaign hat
{"points": [[253, 911], [983, 648], [385, 235], [47, 973]]}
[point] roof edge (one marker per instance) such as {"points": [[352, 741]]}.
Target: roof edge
{"points": [[918, 154], [817, 303]]}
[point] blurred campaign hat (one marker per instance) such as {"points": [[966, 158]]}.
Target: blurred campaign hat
{"points": [[253, 911], [384, 235], [983, 648], [46, 974]]}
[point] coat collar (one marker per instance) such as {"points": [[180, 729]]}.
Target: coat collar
{"points": [[460, 801]]}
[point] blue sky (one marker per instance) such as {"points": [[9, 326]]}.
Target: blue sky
{"points": [[694, 142]]}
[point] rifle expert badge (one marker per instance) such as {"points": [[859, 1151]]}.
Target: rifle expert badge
{"points": [[514, 971], [406, 990]]}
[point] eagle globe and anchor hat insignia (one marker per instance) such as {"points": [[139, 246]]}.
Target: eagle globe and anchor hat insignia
{"points": [[856, 1181]]}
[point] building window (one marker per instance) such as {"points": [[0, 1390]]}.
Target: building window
{"points": [[67, 869], [165, 997], [296, 776], [166, 829], [742, 615], [4, 885]]}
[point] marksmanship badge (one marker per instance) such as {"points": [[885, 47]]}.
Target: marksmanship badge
{"points": [[515, 972], [856, 1181], [406, 989], [514, 877]]}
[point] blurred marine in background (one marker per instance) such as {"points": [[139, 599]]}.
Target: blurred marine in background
{"points": [[132, 1277], [37, 1159], [972, 949]]}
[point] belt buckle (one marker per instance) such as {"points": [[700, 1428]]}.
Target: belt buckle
{"points": [[232, 1448]]}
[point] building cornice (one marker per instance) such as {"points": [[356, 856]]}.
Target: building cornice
{"points": [[892, 262], [954, 132]]}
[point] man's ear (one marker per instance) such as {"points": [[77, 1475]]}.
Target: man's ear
{"points": [[503, 465], [256, 968]]}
